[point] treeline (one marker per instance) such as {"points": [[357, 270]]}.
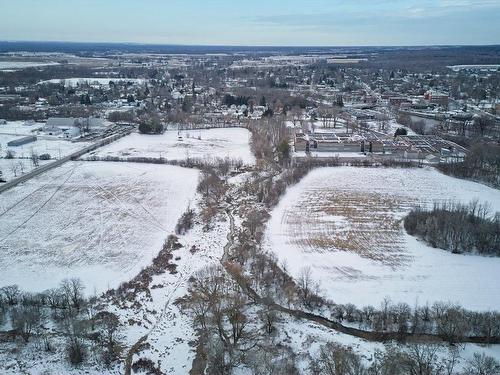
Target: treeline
{"points": [[415, 359], [224, 164], [456, 227], [450, 322], [60, 321], [482, 163], [236, 333]]}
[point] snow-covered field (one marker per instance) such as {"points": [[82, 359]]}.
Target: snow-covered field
{"points": [[20, 128], [12, 168], [16, 65], [346, 224], [21, 163], [56, 147], [98, 221], [225, 142], [73, 82], [45, 144]]}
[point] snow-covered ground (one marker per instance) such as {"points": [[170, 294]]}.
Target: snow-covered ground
{"points": [[73, 82], [56, 147], [17, 65], [12, 168], [346, 224], [20, 128], [224, 142], [306, 338], [172, 334], [98, 221], [21, 163]]}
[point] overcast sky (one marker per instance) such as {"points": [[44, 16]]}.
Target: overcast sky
{"points": [[257, 22]]}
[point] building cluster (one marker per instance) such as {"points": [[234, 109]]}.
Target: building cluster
{"points": [[333, 103]]}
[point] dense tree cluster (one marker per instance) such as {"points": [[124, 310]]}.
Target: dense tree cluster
{"points": [[481, 163], [150, 127], [456, 227], [185, 222], [230, 100]]}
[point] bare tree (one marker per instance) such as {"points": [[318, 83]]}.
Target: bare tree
{"points": [[305, 283], [481, 364], [73, 291], [335, 359], [109, 336], [26, 319], [11, 293], [14, 168], [34, 158]]}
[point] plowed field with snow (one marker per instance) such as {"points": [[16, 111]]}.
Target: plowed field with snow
{"points": [[346, 225], [98, 221]]}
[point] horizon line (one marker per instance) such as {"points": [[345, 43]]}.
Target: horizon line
{"points": [[245, 45]]}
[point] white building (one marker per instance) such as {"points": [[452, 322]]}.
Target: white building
{"points": [[71, 127]]}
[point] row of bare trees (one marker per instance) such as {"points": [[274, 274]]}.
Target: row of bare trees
{"points": [[415, 359]]}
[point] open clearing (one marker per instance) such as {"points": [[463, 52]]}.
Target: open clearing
{"points": [[205, 143], [98, 221], [346, 224]]}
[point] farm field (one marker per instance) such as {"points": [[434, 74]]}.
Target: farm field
{"points": [[17, 65], [55, 147], [98, 221], [346, 225], [221, 143], [20, 128]]}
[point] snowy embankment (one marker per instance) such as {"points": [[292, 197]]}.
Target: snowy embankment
{"points": [[179, 145], [101, 222], [346, 224]]}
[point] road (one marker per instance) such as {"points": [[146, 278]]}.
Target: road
{"points": [[47, 167]]}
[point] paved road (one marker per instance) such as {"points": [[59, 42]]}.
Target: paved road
{"points": [[47, 167]]}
